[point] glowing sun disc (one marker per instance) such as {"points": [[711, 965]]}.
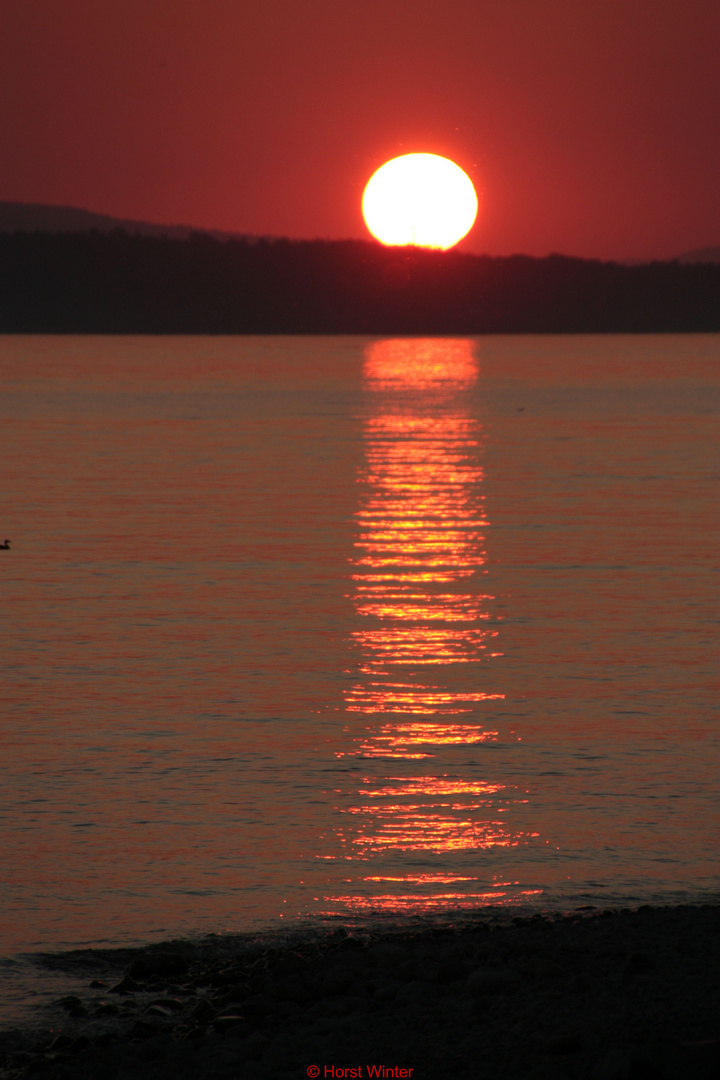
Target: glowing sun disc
{"points": [[419, 199]]}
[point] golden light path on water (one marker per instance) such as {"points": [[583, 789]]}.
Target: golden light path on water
{"points": [[423, 627]]}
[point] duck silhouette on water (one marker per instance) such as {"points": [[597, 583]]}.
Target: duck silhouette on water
{"points": [[5, 546]]}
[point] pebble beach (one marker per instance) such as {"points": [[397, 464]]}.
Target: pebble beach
{"points": [[598, 994]]}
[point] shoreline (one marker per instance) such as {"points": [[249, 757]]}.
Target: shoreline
{"points": [[604, 994], [201, 285]]}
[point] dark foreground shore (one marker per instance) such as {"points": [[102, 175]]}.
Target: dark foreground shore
{"points": [[595, 995]]}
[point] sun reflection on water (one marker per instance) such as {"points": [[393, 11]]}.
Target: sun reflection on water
{"points": [[423, 630], [421, 507]]}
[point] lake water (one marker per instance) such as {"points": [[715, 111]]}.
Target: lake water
{"points": [[305, 629]]}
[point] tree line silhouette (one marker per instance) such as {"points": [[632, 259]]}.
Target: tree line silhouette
{"points": [[93, 282]]}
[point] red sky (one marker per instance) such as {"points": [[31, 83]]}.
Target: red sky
{"points": [[589, 127]]}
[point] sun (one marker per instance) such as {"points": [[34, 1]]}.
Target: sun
{"points": [[420, 199]]}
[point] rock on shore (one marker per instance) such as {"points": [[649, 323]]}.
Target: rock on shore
{"points": [[612, 995]]}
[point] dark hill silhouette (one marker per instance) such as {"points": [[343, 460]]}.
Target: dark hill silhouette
{"points": [[44, 217], [94, 282], [47, 217], [701, 255]]}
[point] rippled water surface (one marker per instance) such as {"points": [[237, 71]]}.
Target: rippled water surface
{"points": [[297, 628]]}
